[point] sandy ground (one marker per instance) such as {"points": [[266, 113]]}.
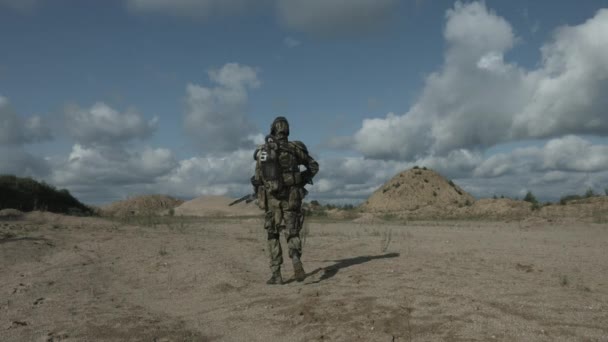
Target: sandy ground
{"points": [[88, 279]]}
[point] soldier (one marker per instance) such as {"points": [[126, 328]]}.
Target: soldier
{"points": [[279, 185]]}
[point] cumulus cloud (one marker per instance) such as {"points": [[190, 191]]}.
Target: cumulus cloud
{"points": [[477, 99], [227, 174], [108, 166], [334, 17], [15, 130], [567, 154], [190, 8], [15, 160], [216, 117], [102, 124], [566, 165], [15, 133]]}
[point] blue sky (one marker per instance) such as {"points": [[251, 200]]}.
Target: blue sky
{"points": [[115, 98]]}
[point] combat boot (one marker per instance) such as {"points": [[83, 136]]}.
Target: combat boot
{"points": [[275, 279], [298, 271]]}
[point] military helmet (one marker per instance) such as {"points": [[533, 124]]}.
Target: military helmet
{"points": [[279, 126]]}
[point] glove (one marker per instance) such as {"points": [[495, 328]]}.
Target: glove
{"points": [[307, 177]]}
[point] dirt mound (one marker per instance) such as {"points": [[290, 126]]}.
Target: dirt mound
{"points": [[416, 189], [141, 205], [216, 206], [496, 208], [594, 208], [10, 213]]}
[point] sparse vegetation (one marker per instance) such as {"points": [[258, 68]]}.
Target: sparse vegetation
{"points": [[565, 199], [27, 194], [389, 217], [563, 280], [589, 193], [530, 198], [386, 240]]}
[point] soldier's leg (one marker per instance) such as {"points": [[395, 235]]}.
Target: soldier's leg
{"points": [[292, 232], [273, 228]]}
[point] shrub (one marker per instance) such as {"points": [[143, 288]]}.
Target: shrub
{"points": [[530, 198], [415, 167], [27, 194], [589, 193], [568, 198]]}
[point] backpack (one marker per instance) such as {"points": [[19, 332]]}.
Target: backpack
{"points": [[267, 158]]}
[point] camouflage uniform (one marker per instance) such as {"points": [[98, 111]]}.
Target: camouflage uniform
{"points": [[282, 200]]}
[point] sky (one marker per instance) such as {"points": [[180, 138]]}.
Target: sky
{"points": [[112, 99]]}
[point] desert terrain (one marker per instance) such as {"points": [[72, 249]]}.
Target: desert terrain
{"points": [[184, 278]]}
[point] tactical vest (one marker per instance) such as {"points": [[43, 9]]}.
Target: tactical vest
{"points": [[278, 165]]}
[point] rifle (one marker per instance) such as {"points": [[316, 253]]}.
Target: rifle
{"points": [[247, 198]]}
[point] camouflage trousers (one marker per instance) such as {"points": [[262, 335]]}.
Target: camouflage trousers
{"points": [[283, 214]]}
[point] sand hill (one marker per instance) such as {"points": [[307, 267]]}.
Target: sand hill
{"points": [[216, 206], [141, 205], [417, 190], [502, 208]]}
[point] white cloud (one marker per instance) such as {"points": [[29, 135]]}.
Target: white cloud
{"points": [[478, 100], [102, 167], [15, 130], [567, 154], [334, 17], [15, 133], [216, 117], [227, 174], [191, 8], [17, 161], [102, 124]]}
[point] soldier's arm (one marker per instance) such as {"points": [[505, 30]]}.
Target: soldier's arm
{"points": [[312, 166]]}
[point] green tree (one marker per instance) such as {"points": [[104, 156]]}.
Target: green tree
{"points": [[530, 198]]}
